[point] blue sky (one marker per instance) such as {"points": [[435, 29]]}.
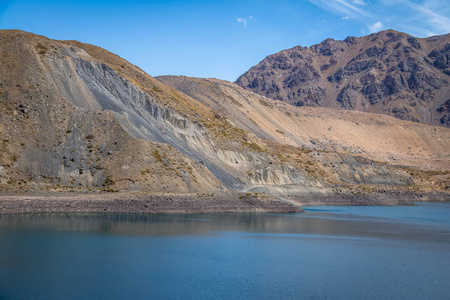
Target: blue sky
{"points": [[221, 39]]}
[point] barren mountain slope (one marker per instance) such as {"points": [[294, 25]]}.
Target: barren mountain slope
{"points": [[54, 132], [74, 115], [387, 72], [372, 136]]}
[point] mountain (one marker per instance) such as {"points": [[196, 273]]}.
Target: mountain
{"points": [[337, 147], [388, 72], [77, 118]]}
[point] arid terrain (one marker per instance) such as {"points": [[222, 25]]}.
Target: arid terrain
{"points": [[83, 130]]}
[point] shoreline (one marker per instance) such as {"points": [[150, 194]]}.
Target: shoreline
{"points": [[143, 203], [201, 203]]}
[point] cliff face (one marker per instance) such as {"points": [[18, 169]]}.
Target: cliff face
{"points": [[387, 72], [76, 117]]}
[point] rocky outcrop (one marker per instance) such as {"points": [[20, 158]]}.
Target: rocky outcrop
{"points": [[388, 72]]}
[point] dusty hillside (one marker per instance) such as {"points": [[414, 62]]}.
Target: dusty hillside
{"points": [[330, 136], [374, 136], [54, 131], [76, 117], [387, 72]]}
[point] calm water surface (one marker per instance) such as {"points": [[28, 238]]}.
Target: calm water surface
{"points": [[325, 253]]}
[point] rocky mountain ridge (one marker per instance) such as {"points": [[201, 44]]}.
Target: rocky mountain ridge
{"points": [[388, 72]]}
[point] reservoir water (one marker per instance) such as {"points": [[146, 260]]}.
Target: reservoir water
{"points": [[324, 253]]}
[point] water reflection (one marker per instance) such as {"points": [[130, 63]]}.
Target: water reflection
{"points": [[325, 253], [368, 222]]}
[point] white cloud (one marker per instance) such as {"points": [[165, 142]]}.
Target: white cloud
{"points": [[244, 21], [375, 27], [345, 18], [358, 2]]}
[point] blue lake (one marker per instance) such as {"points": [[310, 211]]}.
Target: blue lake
{"points": [[324, 253]]}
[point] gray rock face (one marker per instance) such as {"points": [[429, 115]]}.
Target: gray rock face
{"points": [[388, 72], [100, 87]]}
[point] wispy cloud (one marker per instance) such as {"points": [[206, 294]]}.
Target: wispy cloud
{"points": [[425, 17], [244, 21], [348, 8], [433, 18], [417, 17], [375, 27]]}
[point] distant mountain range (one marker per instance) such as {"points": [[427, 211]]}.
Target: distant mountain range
{"points": [[388, 72], [75, 117]]}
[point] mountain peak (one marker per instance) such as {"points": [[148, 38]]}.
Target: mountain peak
{"points": [[387, 72]]}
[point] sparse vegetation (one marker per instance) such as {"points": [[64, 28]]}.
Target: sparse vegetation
{"points": [[41, 49], [158, 156], [108, 181]]}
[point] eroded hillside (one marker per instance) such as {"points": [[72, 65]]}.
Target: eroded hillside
{"points": [[76, 115], [342, 146]]}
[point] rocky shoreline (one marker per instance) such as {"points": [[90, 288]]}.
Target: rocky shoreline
{"points": [[199, 203], [144, 203]]}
